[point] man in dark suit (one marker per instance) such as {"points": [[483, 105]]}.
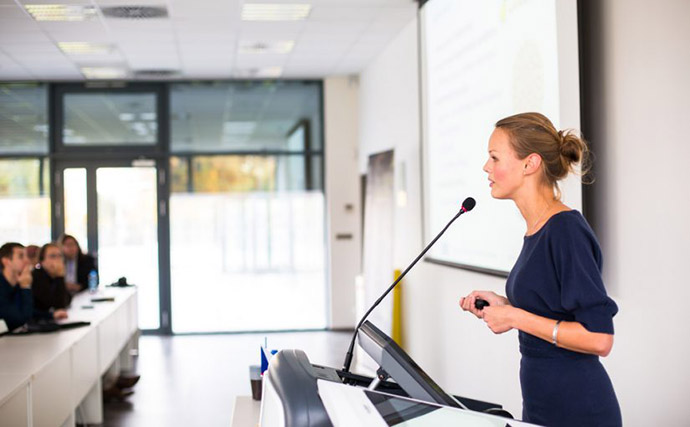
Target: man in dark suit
{"points": [[49, 290], [16, 302], [78, 265]]}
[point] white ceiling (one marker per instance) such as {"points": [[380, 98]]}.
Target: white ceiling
{"points": [[200, 39]]}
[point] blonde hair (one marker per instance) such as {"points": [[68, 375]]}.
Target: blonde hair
{"points": [[560, 150]]}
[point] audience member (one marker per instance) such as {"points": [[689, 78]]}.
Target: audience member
{"points": [[32, 255], [78, 265], [16, 301], [49, 290]]}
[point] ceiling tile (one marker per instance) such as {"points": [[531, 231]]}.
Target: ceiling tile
{"points": [[153, 63], [343, 13], [194, 37], [146, 25], [98, 60], [220, 63], [334, 28], [226, 10], [7, 37], [30, 56], [260, 60], [19, 26], [203, 35], [84, 28], [16, 74], [12, 12], [77, 36], [17, 47], [144, 38], [271, 30]]}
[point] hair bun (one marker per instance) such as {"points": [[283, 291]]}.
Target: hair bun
{"points": [[571, 146]]}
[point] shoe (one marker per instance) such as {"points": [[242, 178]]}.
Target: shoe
{"points": [[127, 381], [115, 393]]}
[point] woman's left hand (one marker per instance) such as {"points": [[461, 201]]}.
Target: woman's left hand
{"points": [[499, 318]]}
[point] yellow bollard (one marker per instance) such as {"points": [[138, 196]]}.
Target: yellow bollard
{"points": [[396, 332]]}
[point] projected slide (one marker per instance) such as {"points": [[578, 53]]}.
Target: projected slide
{"points": [[482, 61]]}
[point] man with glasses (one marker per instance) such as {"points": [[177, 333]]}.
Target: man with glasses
{"points": [[16, 301], [49, 290]]}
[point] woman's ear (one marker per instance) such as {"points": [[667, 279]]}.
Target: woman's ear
{"points": [[532, 164]]}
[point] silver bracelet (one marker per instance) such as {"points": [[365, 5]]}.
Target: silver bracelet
{"points": [[554, 334]]}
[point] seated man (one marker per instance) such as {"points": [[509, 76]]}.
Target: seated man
{"points": [[49, 291], [78, 265], [16, 301]]}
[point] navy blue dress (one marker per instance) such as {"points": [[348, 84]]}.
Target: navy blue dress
{"points": [[558, 276]]}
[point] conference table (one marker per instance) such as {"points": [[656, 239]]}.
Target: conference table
{"points": [[54, 379]]}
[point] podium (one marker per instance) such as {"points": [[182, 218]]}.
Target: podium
{"points": [[299, 393]]}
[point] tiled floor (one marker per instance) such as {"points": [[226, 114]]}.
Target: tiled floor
{"points": [[192, 380]]}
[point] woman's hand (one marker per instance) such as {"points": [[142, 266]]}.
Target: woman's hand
{"points": [[499, 318], [73, 287], [60, 314], [494, 300]]}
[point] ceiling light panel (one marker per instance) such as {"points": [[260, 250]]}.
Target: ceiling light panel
{"points": [[107, 73], [85, 48], [259, 72], [61, 12], [275, 12], [278, 46]]}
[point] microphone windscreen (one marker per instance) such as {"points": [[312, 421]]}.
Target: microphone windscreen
{"points": [[469, 204]]}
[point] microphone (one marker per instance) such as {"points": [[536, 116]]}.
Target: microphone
{"points": [[467, 206]]}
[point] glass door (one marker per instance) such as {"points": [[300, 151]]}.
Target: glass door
{"points": [[128, 234], [110, 187], [113, 212]]}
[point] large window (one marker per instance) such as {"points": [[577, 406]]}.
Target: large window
{"points": [[251, 255], [247, 230], [24, 201], [243, 207], [110, 119], [249, 116], [23, 119], [24, 173]]}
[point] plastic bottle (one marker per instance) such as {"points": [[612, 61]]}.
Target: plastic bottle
{"points": [[93, 281]]}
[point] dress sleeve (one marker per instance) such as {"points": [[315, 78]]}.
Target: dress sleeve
{"points": [[577, 260]]}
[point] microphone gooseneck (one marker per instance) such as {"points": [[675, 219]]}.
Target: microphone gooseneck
{"points": [[467, 206]]}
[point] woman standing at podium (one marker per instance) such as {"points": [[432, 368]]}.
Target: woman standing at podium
{"points": [[555, 294]]}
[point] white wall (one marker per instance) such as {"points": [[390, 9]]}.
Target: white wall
{"points": [[637, 105], [341, 118], [641, 97], [451, 346]]}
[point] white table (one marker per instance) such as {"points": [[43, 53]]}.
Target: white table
{"points": [[246, 412], [44, 378]]}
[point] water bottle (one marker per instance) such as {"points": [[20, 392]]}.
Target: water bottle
{"points": [[93, 281]]}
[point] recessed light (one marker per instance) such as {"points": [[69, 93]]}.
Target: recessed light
{"points": [[61, 12], [275, 12], [103, 72], [256, 73], [279, 46], [85, 48]]}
